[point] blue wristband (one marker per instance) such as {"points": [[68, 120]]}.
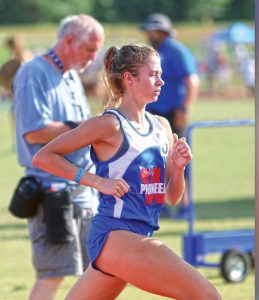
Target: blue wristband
{"points": [[79, 175]]}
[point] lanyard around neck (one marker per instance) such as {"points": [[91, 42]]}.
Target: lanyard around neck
{"points": [[60, 66], [56, 60]]}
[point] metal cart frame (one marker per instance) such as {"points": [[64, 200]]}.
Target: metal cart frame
{"points": [[234, 244]]}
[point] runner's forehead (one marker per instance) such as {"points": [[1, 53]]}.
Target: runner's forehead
{"points": [[154, 63]]}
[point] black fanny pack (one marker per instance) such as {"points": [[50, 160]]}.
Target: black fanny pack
{"points": [[26, 198], [57, 207]]}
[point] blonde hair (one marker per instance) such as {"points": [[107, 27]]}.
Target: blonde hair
{"points": [[128, 58]]}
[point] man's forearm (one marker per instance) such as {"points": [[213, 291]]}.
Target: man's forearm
{"points": [[47, 133]]}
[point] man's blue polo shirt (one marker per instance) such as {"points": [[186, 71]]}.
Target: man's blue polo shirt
{"points": [[41, 96], [177, 63]]}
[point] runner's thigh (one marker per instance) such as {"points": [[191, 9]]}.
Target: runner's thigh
{"points": [[95, 285], [150, 265]]}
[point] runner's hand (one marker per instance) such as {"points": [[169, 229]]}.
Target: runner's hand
{"points": [[181, 152]]}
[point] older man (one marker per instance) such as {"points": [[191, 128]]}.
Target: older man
{"points": [[49, 100]]}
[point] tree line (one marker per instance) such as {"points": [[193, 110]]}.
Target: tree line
{"points": [[112, 11]]}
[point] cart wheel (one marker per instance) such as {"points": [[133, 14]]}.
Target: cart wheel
{"points": [[234, 266]]}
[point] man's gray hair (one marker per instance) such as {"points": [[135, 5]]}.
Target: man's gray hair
{"points": [[76, 25]]}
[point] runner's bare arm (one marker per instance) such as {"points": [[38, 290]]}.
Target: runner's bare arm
{"points": [[95, 131], [178, 157]]}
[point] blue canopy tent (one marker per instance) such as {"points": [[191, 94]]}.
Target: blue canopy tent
{"points": [[237, 33]]}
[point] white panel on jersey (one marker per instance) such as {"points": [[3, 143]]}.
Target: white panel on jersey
{"points": [[118, 207]]}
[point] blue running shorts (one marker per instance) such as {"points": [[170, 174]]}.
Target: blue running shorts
{"points": [[100, 228]]}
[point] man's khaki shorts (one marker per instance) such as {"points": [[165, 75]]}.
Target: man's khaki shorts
{"points": [[62, 259]]}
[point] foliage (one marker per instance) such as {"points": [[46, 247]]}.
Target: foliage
{"points": [[207, 11], [240, 10], [35, 11]]}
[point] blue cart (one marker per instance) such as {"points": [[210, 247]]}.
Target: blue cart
{"points": [[236, 246]]}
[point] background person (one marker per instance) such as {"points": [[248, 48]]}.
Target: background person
{"points": [[18, 54], [246, 66], [49, 100], [179, 74], [92, 78], [138, 161], [16, 48]]}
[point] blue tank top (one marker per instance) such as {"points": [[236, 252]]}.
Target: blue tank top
{"points": [[140, 161]]}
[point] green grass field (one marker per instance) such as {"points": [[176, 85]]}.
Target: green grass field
{"points": [[223, 169]]}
